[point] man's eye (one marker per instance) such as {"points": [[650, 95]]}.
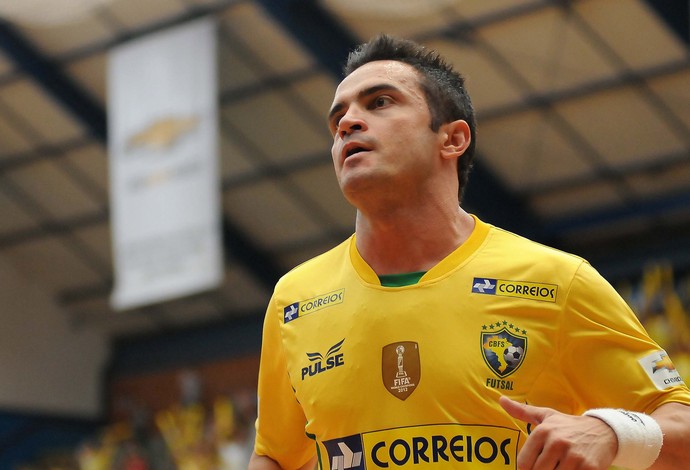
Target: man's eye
{"points": [[381, 101]]}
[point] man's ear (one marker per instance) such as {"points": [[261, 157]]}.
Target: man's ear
{"points": [[456, 138]]}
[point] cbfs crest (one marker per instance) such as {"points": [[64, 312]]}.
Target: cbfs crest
{"points": [[504, 349]]}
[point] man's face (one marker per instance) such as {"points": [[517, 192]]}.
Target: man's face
{"points": [[380, 124]]}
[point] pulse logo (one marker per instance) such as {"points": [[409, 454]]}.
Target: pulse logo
{"points": [[321, 363], [346, 453]]}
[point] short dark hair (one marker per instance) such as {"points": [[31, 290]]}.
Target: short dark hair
{"points": [[443, 87]]}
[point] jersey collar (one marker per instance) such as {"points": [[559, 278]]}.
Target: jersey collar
{"points": [[451, 262]]}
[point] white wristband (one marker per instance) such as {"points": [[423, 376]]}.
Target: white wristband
{"points": [[639, 436]]}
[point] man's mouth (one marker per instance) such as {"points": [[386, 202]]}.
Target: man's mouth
{"points": [[353, 149]]}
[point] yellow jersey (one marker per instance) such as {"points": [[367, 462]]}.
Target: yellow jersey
{"points": [[372, 377]]}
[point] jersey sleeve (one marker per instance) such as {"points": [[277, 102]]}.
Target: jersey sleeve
{"points": [[280, 425], [605, 353]]}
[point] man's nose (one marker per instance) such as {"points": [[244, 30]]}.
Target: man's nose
{"points": [[350, 123]]}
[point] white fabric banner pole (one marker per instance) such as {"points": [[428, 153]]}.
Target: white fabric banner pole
{"points": [[163, 162]]}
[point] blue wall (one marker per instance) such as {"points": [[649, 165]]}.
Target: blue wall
{"points": [[25, 437]]}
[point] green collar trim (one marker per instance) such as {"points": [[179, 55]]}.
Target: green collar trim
{"points": [[401, 280]]}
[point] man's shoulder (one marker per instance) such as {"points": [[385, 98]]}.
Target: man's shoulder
{"points": [[320, 266], [520, 247]]}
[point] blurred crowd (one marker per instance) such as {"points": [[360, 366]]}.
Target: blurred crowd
{"points": [[188, 436]]}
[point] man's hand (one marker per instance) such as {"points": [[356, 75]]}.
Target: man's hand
{"points": [[261, 462], [562, 441]]}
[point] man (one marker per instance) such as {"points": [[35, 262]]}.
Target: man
{"points": [[403, 346]]}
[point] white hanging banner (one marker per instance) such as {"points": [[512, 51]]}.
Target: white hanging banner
{"points": [[163, 160]]}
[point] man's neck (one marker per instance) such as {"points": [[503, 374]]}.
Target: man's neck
{"points": [[401, 243]]}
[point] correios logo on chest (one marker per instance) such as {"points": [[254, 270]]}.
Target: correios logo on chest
{"points": [[321, 363]]}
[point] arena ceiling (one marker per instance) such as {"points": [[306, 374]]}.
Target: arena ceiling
{"points": [[584, 136]]}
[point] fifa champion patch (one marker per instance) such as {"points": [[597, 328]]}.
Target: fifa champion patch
{"points": [[401, 368], [503, 347], [520, 289]]}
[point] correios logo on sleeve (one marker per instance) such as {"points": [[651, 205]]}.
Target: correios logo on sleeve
{"points": [[520, 289], [305, 307], [438, 446]]}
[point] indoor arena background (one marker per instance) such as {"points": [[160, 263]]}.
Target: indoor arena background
{"points": [[584, 144]]}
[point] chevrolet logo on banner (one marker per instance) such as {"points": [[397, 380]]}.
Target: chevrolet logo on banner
{"points": [[163, 133]]}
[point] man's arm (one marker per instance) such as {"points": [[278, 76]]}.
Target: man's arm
{"points": [[261, 462], [561, 439], [674, 420]]}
